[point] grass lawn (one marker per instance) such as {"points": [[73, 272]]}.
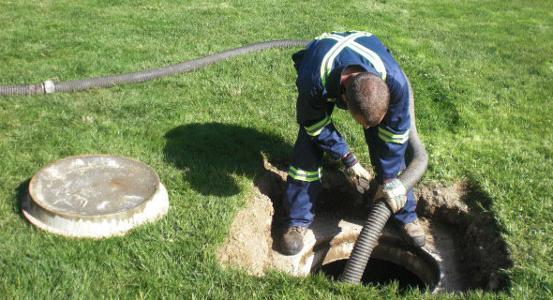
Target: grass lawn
{"points": [[482, 72]]}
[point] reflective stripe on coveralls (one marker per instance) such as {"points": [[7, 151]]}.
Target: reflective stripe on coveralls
{"points": [[349, 41], [373, 58], [390, 137], [315, 129], [302, 175]]}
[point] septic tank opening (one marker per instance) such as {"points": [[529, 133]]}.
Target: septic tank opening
{"points": [[378, 272]]}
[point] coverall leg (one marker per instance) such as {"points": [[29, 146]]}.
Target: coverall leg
{"points": [[303, 183]]}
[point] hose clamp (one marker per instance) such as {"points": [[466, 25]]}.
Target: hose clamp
{"points": [[49, 87]]}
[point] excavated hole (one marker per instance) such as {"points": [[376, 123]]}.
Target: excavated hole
{"points": [[463, 239], [379, 272]]}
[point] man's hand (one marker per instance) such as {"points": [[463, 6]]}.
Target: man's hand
{"points": [[393, 193], [359, 177]]}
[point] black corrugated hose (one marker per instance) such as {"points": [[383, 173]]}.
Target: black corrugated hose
{"points": [[48, 86], [380, 213], [367, 240]]}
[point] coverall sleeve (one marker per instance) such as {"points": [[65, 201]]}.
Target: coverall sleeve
{"points": [[327, 138], [388, 141], [313, 112]]}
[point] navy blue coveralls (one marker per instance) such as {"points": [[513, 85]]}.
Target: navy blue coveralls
{"points": [[319, 67]]}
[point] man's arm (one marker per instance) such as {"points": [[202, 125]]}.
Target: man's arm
{"points": [[314, 118], [328, 138], [388, 141]]}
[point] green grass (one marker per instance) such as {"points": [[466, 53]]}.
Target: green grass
{"points": [[482, 72]]}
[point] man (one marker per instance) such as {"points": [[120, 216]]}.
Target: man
{"points": [[353, 71]]}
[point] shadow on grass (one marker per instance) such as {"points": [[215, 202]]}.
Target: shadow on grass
{"points": [[21, 193], [210, 154]]}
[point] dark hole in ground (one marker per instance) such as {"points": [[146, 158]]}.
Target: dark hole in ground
{"points": [[378, 272]]}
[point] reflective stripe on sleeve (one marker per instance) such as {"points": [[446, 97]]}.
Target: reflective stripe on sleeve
{"points": [[390, 137], [302, 175], [315, 129]]}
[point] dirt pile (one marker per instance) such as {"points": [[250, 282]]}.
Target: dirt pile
{"points": [[250, 243]]}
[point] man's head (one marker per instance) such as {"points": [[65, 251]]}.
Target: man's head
{"points": [[368, 98]]}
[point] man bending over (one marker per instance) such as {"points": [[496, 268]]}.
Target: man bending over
{"points": [[354, 71]]}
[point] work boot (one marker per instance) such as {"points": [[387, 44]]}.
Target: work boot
{"points": [[292, 240], [413, 233]]}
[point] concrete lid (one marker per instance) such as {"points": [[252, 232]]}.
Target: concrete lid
{"points": [[94, 196]]}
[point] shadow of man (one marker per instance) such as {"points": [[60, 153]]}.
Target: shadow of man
{"points": [[210, 154]]}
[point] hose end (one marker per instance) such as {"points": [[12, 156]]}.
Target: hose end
{"points": [[49, 87]]}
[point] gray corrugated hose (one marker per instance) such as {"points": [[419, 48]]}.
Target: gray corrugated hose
{"points": [[379, 215], [48, 86]]}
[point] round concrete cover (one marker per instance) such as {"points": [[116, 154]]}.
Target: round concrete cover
{"points": [[94, 196]]}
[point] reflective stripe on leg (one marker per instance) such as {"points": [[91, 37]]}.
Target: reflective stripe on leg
{"points": [[303, 175]]}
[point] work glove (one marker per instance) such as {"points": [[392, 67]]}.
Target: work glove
{"points": [[393, 193], [359, 177]]}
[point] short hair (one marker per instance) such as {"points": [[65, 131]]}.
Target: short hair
{"points": [[368, 96]]}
